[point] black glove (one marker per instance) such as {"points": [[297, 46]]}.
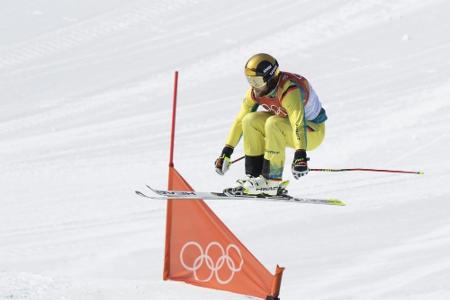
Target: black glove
{"points": [[223, 163], [300, 164]]}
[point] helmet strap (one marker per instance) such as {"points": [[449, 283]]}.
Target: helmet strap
{"points": [[272, 84]]}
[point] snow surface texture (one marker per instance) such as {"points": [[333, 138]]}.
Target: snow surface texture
{"points": [[85, 103]]}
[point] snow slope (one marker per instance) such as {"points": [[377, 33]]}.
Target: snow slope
{"points": [[85, 101]]}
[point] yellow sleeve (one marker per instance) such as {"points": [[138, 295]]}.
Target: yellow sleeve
{"points": [[293, 104], [248, 105]]}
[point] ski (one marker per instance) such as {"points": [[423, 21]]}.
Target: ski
{"points": [[188, 195]]}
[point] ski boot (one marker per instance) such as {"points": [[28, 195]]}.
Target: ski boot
{"points": [[238, 190], [266, 187], [258, 186]]}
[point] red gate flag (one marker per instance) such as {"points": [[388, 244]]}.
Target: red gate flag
{"points": [[202, 251]]}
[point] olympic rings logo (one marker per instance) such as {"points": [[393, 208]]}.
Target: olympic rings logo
{"points": [[204, 259], [275, 109]]}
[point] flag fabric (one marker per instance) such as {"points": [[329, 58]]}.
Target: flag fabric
{"points": [[202, 251]]}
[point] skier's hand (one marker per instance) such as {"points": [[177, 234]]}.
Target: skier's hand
{"points": [[300, 164], [223, 163]]}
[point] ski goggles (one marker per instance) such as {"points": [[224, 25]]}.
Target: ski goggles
{"points": [[256, 82]]}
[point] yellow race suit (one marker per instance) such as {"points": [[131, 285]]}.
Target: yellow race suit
{"points": [[292, 116]]}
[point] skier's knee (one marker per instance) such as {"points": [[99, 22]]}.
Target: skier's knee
{"points": [[248, 119], [271, 124]]}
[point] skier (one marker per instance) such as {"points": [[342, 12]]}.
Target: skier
{"points": [[292, 116]]}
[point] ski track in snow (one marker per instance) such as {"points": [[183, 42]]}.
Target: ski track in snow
{"points": [[84, 121]]}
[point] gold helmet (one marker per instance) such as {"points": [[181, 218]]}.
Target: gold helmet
{"points": [[261, 69]]}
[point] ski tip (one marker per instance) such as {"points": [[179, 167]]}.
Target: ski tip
{"points": [[336, 202], [139, 193], [421, 173]]}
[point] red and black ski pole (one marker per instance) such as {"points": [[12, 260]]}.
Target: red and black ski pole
{"points": [[368, 170], [353, 169]]}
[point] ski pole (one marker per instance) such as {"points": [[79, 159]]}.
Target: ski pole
{"points": [[236, 160], [368, 170], [352, 169]]}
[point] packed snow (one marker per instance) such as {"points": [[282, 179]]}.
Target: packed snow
{"points": [[85, 108]]}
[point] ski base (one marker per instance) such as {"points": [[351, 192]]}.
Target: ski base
{"points": [[192, 195]]}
